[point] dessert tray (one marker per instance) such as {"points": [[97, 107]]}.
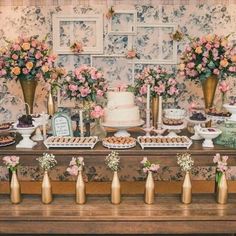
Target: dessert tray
{"points": [[73, 142], [6, 140], [5, 126], [162, 141], [119, 142]]}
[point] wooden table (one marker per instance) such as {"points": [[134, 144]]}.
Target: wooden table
{"points": [[132, 216]]}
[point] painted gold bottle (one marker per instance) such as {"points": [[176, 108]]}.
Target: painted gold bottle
{"points": [[50, 104], [187, 189], [15, 191], [222, 190], [149, 193], [46, 189], [80, 189], [115, 189]]}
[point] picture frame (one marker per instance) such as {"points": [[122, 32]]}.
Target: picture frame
{"points": [[67, 28], [123, 22], [62, 125]]}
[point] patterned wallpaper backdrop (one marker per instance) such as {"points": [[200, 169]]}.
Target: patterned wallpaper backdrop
{"points": [[154, 45]]}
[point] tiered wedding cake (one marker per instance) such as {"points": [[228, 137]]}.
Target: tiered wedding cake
{"points": [[121, 110]]}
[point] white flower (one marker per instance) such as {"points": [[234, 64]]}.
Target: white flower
{"points": [[185, 161]]}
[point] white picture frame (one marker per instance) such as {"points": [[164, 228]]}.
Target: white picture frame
{"points": [[94, 21], [160, 59], [131, 26]]}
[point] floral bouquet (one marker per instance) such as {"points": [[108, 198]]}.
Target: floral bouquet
{"points": [[112, 161], [76, 165], [85, 83], [206, 56], [161, 83], [47, 161], [185, 161], [11, 162], [77, 47], [148, 166], [222, 166], [26, 58], [97, 112]]}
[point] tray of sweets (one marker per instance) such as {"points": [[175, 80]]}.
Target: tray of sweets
{"points": [[164, 141], [119, 142], [7, 139], [71, 142]]}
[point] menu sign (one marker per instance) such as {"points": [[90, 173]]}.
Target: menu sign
{"points": [[61, 125]]}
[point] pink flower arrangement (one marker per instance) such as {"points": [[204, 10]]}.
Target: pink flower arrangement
{"points": [[11, 162], [161, 83], [76, 165], [132, 54], [26, 58], [85, 83], [97, 112], [208, 55], [148, 166], [77, 47], [221, 167]]}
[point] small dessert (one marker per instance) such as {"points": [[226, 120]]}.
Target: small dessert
{"points": [[25, 121], [5, 126], [172, 122], [164, 140], [4, 140], [197, 116], [214, 112], [119, 140]]}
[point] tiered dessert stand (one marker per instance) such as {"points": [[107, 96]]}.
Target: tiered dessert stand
{"points": [[174, 130]]}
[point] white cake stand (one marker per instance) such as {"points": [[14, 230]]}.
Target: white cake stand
{"points": [[196, 123], [122, 128], [174, 129], [26, 142]]}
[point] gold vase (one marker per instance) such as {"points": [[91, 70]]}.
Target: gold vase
{"points": [[28, 88], [149, 193], [186, 196], [155, 108], [50, 104], [115, 189], [80, 189], [46, 189], [209, 88], [222, 190], [15, 191]]}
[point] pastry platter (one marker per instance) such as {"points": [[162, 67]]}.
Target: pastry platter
{"points": [[6, 140], [164, 141], [5, 126], [119, 142], [71, 142]]}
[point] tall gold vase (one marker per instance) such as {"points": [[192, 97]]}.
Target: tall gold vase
{"points": [[187, 189], [115, 189], [28, 88], [80, 189], [155, 109], [15, 191], [222, 190], [50, 104], [149, 193], [209, 88], [46, 189]]}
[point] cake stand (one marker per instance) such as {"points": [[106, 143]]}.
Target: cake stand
{"points": [[231, 109], [174, 129], [208, 134], [122, 128], [26, 142], [197, 123]]}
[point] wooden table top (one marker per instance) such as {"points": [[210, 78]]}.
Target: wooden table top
{"points": [[98, 215]]}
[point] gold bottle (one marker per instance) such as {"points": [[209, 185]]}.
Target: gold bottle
{"points": [[50, 104], [46, 189], [222, 190], [115, 189], [187, 189], [149, 193], [15, 191], [80, 189]]}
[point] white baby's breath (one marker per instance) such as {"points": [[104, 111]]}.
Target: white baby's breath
{"points": [[185, 161], [112, 161], [47, 161]]}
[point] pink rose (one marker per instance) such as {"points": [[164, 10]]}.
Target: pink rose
{"points": [[208, 46], [14, 57], [97, 112], [38, 55], [100, 93], [159, 89], [3, 72], [232, 68], [16, 47], [190, 65], [84, 91], [143, 90], [25, 71], [99, 74], [73, 87], [223, 87], [216, 72], [172, 81], [173, 90]]}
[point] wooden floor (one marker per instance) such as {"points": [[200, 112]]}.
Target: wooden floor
{"points": [[132, 216]]}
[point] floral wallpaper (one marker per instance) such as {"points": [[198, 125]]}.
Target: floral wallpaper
{"points": [[192, 17]]}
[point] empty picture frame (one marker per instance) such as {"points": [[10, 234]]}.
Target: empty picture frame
{"points": [[154, 44], [123, 22], [87, 29]]}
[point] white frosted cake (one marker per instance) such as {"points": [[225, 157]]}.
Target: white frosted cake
{"points": [[121, 109]]}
